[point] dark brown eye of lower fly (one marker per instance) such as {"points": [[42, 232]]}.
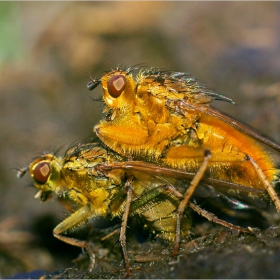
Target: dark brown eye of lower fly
{"points": [[116, 85], [42, 172]]}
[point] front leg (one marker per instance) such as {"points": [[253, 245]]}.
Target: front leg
{"points": [[75, 221]]}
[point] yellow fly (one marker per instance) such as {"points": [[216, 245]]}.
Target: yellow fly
{"points": [[165, 118], [96, 183]]}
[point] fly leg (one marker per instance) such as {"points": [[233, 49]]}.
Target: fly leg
{"points": [[212, 218], [124, 225], [268, 186], [76, 219], [181, 208], [109, 235], [208, 215]]}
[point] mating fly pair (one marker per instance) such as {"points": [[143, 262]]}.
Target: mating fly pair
{"points": [[165, 118], [161, 133]]}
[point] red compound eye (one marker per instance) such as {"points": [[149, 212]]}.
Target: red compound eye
{"points": [[42, 172], [116, 85]]}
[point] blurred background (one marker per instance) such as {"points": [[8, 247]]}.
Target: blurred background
{"points": [[48, 50]]}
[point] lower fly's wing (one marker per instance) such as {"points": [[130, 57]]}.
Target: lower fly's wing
{"points": [[158, 170]]}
